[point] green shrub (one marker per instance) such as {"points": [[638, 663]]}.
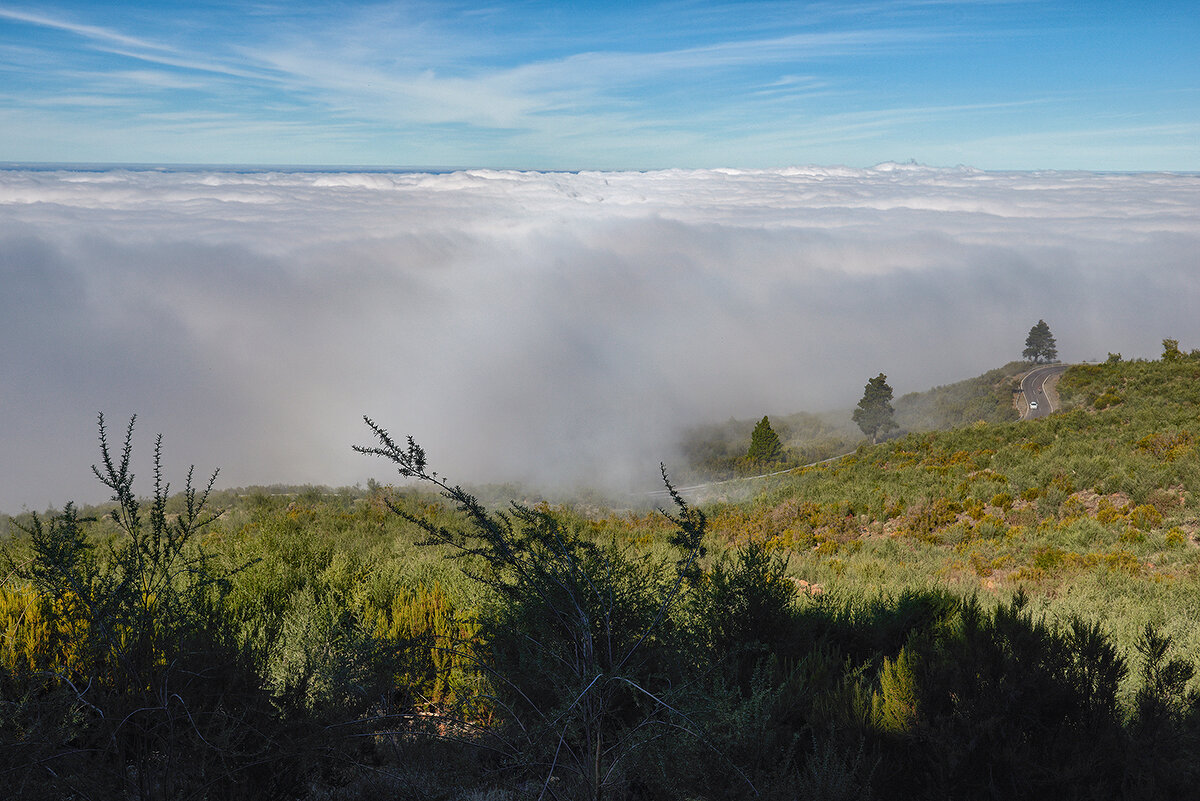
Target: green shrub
{"points": [[1145, 517], [163, 702], [577, 641]]}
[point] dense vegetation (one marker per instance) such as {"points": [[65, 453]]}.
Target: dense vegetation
{"points": [[1004, 610]]}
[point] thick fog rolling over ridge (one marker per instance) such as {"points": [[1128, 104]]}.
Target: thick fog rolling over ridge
{"points": [[539, 327]]}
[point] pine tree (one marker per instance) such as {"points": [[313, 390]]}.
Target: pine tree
{"points": [[1039, 345], [765, 447], [875, 415]]}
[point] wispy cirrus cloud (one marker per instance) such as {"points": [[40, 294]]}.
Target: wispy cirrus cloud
{"points": [[135, 48], [540, 84], [93, 33]]}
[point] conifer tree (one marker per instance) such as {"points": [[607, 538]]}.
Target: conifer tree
{"points": [[1039, 345], [765, 447], [875, 415]]}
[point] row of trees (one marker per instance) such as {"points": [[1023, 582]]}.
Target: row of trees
{"points": [[875, 414]]}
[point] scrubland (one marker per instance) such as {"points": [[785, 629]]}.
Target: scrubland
{"points": [[998, 610]]}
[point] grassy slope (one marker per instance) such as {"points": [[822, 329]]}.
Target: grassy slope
{"points": [[1092, 511], [988, 397]]}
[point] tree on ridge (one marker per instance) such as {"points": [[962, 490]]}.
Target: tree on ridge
{"points": [[1039, 345], [875, 415]]}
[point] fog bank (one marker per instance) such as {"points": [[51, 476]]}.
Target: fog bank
{"points": [[539, 327]]}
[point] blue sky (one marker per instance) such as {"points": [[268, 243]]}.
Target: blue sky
{"points": [[581, 85]]}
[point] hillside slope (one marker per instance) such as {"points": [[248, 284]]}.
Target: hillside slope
{"points": [[717, 450], [988, 397], [999, 610], [1095, 508]]}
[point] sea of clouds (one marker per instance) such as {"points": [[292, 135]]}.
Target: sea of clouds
{"points": [[541, 327]]}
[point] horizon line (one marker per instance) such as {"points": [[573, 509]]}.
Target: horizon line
{"points": [[183, 166]]}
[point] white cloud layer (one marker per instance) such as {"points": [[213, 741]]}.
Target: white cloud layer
{"points": [[539, 326]]}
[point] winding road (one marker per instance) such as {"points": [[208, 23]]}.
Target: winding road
{"points": [[1036, 402]]}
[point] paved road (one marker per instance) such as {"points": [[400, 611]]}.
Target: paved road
{"points": [[1033, 388]]}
